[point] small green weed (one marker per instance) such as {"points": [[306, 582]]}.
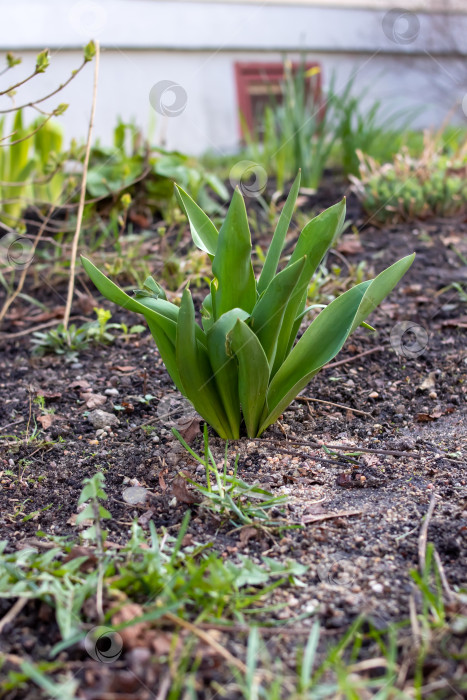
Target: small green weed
{"points": [[227, 496]]}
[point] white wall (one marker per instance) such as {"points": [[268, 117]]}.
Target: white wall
{"points": [[195, 44]]}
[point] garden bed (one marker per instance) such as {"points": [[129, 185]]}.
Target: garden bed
{"points": [[396, 400]]}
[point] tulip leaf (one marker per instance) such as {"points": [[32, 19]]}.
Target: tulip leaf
{"points": [[314, 241], [225, 367], [326, 336], [268, 314], [196, 375], [253, 374], [236, 284], [203, 231], [277, 243]]}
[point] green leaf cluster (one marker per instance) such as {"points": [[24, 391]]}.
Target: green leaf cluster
{"points": [[243, 363]]}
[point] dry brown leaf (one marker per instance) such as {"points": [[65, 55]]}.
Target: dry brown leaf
{"points": [[49, 395], [427, 417], [181, 492], [246, 534], [93, 400], [82, 384], [144, 519], [134, 635], [123, 368], [46, 420], [349, 245], [428, 382], [87, 522], [188, 428]]}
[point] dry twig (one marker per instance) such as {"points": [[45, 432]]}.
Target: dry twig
{"points": [[79, 217]]}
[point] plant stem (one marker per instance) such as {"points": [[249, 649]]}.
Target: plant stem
{"points": [[79, 218]]}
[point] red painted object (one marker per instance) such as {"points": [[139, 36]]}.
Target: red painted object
{"points": [[258, 83]]}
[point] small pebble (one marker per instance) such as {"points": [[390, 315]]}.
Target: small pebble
{"points": [[76, 365], [376, 587], [111, 392], [135, 495], [155, 438], [373, 395], [433, 395]]}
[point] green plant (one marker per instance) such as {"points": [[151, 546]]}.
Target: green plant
{"points": [[28, 155], [364, 129], [296, 131], [68, 342], [243, 360], [434, 184], [229, 496]]}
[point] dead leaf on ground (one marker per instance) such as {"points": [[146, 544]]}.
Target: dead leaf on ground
{"points": [[123, 368], [82, 384], [46, 420], [460, 322], [134, 635], [49, 395], [145, 518], [349, 245], [188, 428], [428, 382], [87, 522], [427, 417], [79, 551], [247, 534], [182, 493], [93, 401]]}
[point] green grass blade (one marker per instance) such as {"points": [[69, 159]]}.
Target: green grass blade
{"points": [[232, 262], [277, 243], [253, 374]]}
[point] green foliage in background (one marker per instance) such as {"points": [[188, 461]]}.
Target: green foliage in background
{"points": [[413, 188]]}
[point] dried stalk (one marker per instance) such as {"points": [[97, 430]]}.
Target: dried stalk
{"points": [[79, 218]]}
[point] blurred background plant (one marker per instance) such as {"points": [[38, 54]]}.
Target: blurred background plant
{"points": [[432, 184]]}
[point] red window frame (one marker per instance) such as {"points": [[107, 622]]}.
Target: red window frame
{"points": [[249, 75]]}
